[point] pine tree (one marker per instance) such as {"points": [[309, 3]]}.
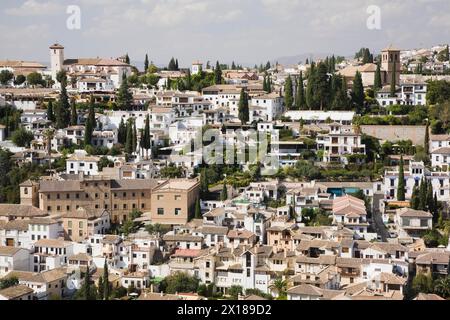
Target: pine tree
{"points": [[224, 194], [73, 114], [377, 83], [198, 209], [300, 99], [129, 138], [217, 74], [50, 114], [288, 93], [358, 91], [124, 96], [401, 181], [394, 81], [90, 124], [106, 287], [243, 107], [146, 64]]}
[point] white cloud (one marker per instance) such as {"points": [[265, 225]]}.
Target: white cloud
{"points": [[36, 8]]}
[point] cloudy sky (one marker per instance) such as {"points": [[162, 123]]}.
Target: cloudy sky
{"points": [[246, 31]]}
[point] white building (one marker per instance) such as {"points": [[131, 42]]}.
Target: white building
{"points": [[80, 162], [12, 258], [266, 107]]}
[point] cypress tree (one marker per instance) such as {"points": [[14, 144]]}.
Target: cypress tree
{"points": [[322, 87], [340, 101], [127, 59], [358, 91], [87, 291], [310, 87], [100, 288], [50, 114], [146, 64], [415, 201], [288, 93], [377, 82], [134, 145], [198, 209], [188, 82], [129, 138], [106, 287], [204, 187], [427, 139], [300, 99], [62, 114], [217, 74], [224, 194], [401, 181], [269, 84], [423, 195], [436, 208], [90, 124], [394, 81], [265, 84], [147, 142], [122, 132], [243, 107], [430, 197], [73, 114]]}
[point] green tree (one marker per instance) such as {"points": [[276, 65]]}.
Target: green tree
{"points": [[224, 193], [422, 283], [147, 140], [106, 286], [310, 87], [87, 290], [243, 107], [5, 77], [427, 139], [198, 209], [8, 282], [63, 107], [442, 285], [423, 195], [378, 83], [288, 93], [401, 181], [100, 288], [358, 91], [217, 74], [20, 79], [122, 132], [124, 95], [90, 124], [22, 137], [34, 79], [322, 87], [129, 138], [134, 136], [415, 199], [204, 185], [179, 282], [146, 64], [127, 59], [235, 291], [73, 114], [50, 113], [172, 65]]}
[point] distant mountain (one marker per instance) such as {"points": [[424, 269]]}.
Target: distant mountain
{"points": [[291, 60]]}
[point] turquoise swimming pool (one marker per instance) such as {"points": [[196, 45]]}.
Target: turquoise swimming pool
{"points": [[339, 192]]}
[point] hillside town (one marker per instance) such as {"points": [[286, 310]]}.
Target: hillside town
{"points": [[324, 180]]}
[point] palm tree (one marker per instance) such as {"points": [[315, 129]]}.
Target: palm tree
{"points": [[280, 286], [442, 287]]}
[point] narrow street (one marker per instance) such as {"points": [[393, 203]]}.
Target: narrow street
{"points": [[377, 218]]}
